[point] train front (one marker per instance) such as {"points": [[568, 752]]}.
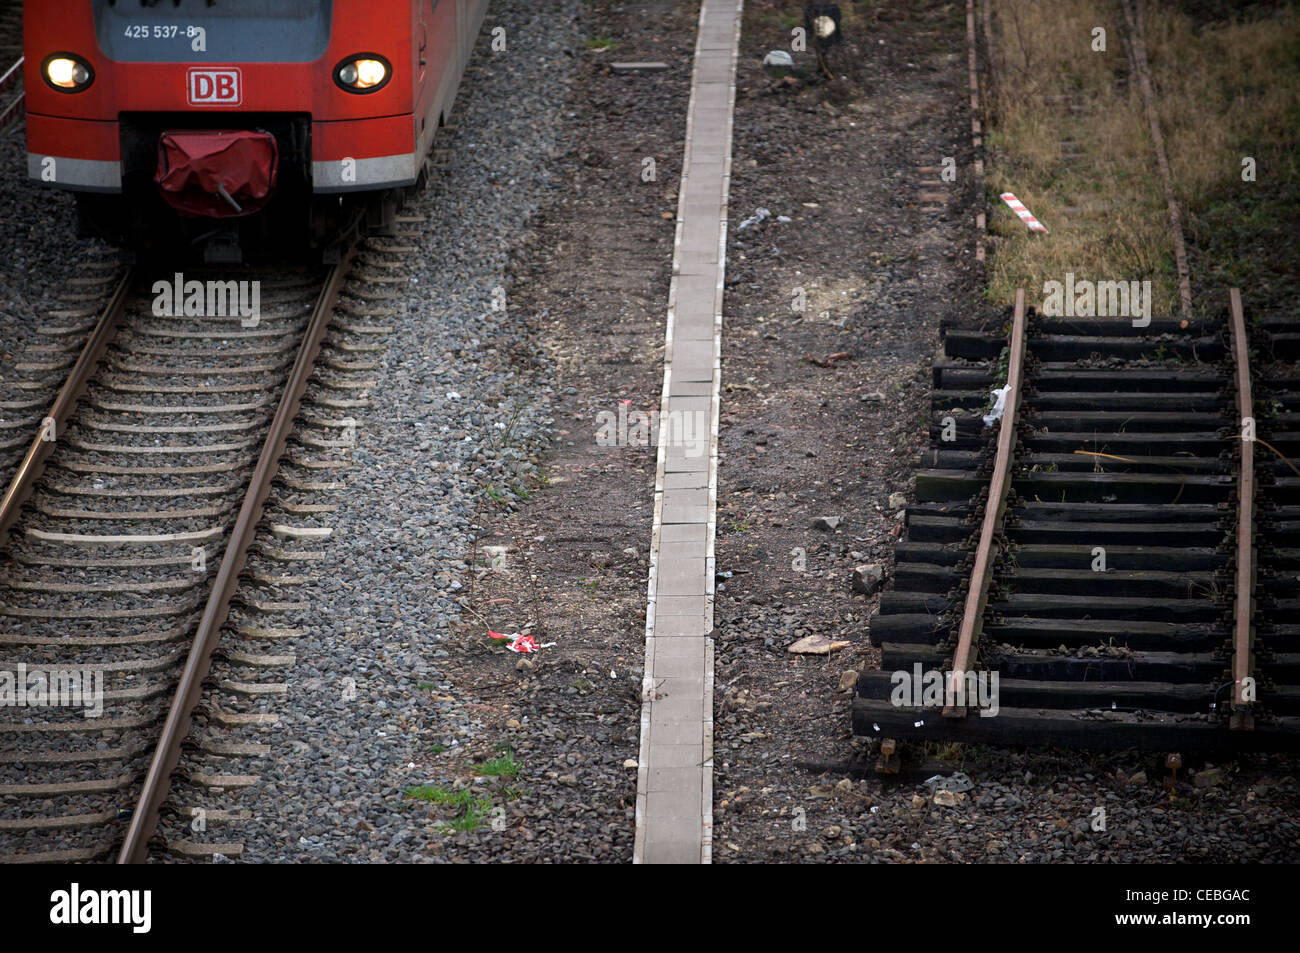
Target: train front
{"points": [[221, 126]]}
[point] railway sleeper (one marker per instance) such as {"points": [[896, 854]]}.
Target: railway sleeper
{"points": [[1039, 632], [1065, 556], [1049, 665], [894, 602], [1105, 730], [1104, 695], [933, 529], [1081, 580], [1049, 377], [937, 486], [978, 346]]}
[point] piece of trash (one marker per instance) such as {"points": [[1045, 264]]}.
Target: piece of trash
{"points": [[520, 643], [786, 219], [779, 58], [653, 67], [1026, 216], [957, 782], [759, 216], [816, 645], [999, 406], [452, 395], [946, 798], [830, 358]]}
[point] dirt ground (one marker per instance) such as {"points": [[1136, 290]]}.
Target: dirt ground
{"points": [[824, 409], [593, 285]]}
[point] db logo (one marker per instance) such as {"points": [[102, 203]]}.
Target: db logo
{"points": [[215, 87]]}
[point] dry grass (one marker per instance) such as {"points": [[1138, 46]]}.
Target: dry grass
{"points": [[1069, 136], [1073, 146], [1230, 91]]}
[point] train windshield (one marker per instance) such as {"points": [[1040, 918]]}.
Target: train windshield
{"points": [[213, 31]]}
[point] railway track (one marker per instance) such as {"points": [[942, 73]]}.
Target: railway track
{"points": [[127, 530], [1124, 562], [11, 63]]}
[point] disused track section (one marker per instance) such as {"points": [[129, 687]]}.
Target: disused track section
{"points": [[1116, 615], [118, 572]]}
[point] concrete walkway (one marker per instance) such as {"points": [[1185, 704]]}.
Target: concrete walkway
{"points": [[674, 802]]}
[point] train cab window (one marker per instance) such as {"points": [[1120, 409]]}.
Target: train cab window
{"points": [[254, 31]]}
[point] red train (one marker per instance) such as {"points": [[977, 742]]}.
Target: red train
{"points": [[232, 125]]}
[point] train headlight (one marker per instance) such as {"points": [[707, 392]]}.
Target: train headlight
{"points": [[67, 73], [363, 73]]}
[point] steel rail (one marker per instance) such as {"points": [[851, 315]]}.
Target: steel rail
{"points": [[1243, 640], [144, 819], [977, 597], [74, 388], [1134, 19], [11, 77]]}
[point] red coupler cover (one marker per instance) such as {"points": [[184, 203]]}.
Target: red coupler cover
{"points": [[215, 174]]}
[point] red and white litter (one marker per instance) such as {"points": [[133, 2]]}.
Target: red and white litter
{"points": [[521, 643], [1026, 216]]}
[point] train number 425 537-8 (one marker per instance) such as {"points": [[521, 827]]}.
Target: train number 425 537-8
{"points": [[142, 31]]}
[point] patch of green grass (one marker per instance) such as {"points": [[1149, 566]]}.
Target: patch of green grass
{"points": [[494, 494], [425, 686], [469, 808], [601, 43], [438, 749], [503, 767]]}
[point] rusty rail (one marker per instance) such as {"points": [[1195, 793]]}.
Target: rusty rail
{"points": [[144, 819], [1134, 19], [20, 487], [1243, 640], [972, 621], [12, 77]]}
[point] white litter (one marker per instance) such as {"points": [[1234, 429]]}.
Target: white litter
{"points": [[778, 58], [761, 215], [999, 407]]}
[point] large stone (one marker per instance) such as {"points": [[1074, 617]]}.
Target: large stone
{"points": [[868, 579], [826, 523], [816, 645], [1210, 777]]}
